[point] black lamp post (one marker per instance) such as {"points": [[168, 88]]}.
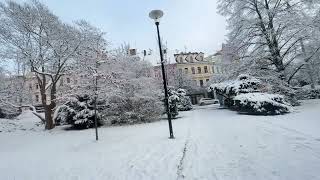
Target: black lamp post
{"points": [[156, 15], [95, 100]]}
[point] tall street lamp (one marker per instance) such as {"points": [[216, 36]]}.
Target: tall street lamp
{"points": [[95, 99], [156, 15]]}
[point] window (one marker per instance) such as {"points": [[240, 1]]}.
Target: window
{"points": [[30, 86], [180, 71], [68, 80], [205, 69], [207, 80], [37, 86], [199, 70], [37, 98], [61, 82], [201, 83], [186, 70], [212, 69], [193, 70]]}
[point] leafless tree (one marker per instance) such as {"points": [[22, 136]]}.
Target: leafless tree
{"points": [[46, 44], [268, 32]]}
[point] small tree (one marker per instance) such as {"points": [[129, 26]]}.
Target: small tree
{"points": [[79, 112], [184, 103], [173, 103]]}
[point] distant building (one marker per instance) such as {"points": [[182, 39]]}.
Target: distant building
{"points": [[188, 67], [196, 66]]}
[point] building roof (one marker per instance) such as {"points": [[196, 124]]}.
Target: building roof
{"points": [[182, 53]]}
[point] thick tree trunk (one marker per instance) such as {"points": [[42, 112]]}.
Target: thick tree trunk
{"points": [[48, 109], [49, 118]]}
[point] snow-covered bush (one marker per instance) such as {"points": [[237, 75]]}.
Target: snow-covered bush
{"points": [[131, 110], [134, 97], [9, 112], [184, 103], [243, 84], [229, 89], [64, 115], [245, 94], [124, 82], [274, 85], [261, 104], [307, 93], [173, 105], [79, 112]]}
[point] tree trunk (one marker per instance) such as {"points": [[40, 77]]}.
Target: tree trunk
{"points": [[49, 118], [47, 108]]}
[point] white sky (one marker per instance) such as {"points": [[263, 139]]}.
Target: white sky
{"points": [[193, 24]]}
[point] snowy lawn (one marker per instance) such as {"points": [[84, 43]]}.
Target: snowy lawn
{"points": [[210, 144]]}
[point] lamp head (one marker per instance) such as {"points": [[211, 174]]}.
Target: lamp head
{"points": [[156, 15]]}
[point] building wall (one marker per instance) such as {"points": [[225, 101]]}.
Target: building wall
{"points": [[197, 71], [195, 66]]}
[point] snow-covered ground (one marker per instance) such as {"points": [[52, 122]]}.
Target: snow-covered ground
{"points": [[210, 144]]}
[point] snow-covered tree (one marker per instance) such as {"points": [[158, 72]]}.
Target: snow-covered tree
{"points": [[307, 69], [267, 32], [14, 93], [46, 44], [79, 112], [173, 101], [123, 81], [133, 95], [184, 81], [85, 71], [274, 40], [184, 103]]}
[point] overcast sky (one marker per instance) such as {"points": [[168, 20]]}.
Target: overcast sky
{"points": [[193, 24]]}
